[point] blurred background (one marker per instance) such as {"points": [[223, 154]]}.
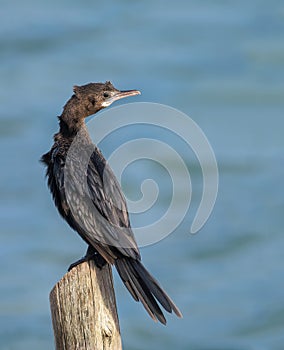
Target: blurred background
{"points": [[222, 63]]}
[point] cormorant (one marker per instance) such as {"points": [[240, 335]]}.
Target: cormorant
{"points": [[88, 196]]}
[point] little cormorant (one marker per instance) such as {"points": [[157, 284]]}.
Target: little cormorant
{"points": [[100, 216]]}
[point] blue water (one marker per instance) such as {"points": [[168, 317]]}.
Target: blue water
{"points": [[222, 63]]}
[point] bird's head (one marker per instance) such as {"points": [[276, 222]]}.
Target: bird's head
{"points": [[96, 96]]}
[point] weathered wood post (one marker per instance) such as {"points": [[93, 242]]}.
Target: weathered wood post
{"points": [[83, 310]]}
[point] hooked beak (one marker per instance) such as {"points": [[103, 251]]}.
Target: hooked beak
{"points": [[119, 95]]}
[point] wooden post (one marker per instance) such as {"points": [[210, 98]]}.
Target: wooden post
{"points": [[83, 310]]}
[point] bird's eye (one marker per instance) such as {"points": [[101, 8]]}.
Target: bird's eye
{"points": [[106, 94]]}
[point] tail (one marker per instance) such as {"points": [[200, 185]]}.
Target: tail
{"points": [[143, 287]]}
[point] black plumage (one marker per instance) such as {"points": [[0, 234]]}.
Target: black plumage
{"points": [[88, 196]]}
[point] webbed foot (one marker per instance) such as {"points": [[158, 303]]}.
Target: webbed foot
{"points": [[91, 254]]}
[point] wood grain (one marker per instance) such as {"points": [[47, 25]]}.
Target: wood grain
{"points": [[83, 309]]}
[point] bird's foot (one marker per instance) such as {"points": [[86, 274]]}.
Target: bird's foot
{"points": [[91, 254], [76, 263], [99, 261]]}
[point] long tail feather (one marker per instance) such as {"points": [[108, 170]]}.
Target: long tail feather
{"points": [[145, 288]]}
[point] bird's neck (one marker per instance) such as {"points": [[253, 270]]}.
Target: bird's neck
{"points": [[72, 119]]}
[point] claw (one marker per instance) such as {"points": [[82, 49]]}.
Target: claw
{"points": [[91, 254]]}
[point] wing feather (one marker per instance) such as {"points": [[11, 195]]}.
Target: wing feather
{"points": [[92, 202]]}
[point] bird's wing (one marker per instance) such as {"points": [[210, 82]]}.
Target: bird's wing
{"points": [[105, 191], [98, 207]]}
